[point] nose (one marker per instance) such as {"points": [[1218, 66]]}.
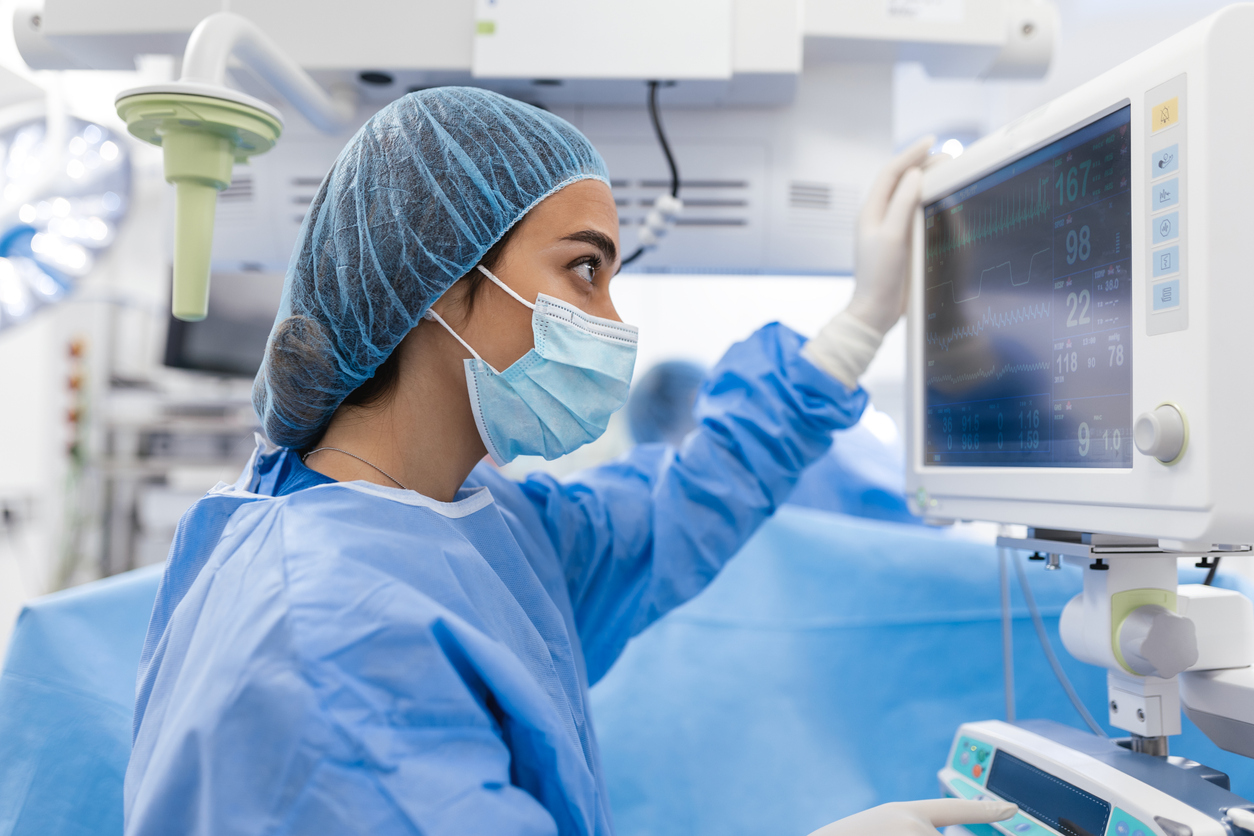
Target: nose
{"points": [[604, 307]]}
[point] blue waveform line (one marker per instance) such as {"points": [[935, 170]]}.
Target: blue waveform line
{"points": [[994, 372], [1001, 319]]}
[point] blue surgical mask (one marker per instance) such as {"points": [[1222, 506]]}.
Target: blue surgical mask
{"points": [[559, 395]]}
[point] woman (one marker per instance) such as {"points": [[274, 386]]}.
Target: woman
{"points": [[375, 632]]}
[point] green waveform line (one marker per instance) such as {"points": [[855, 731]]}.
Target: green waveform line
{"points": [[1008, 213], [994, 372]]}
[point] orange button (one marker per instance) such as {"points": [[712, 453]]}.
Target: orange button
{"points": [[977, 770], [1165, 114]]}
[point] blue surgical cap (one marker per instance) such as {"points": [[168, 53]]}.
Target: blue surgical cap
{"points": [[411, 205], [660, 405]]}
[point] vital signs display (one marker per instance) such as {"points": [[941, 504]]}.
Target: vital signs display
{"points": [[1027, 305]]}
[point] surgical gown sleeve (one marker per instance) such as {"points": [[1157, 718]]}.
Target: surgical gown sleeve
{"points": [[643, 534]]}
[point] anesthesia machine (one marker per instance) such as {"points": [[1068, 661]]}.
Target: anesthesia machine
{"points": [[1076, 333]]}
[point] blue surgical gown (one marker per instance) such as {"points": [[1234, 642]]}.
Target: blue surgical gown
{"points": [[349, 658]]}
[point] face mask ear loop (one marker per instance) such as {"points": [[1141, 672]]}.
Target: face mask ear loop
{"points": [[503, 286], [431, 314]]}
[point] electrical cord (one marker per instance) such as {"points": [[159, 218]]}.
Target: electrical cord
{"points": [[1059, 673], [1210, 576], [1007, 633], [656, 118]]}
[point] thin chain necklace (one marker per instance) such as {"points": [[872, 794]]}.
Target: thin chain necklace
{"points": [[358, 458]]}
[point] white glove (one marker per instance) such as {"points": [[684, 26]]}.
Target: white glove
{"points": [[918, 818], [847, 343]]}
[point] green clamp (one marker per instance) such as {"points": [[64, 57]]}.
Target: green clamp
{"points": [[1123, 604]]}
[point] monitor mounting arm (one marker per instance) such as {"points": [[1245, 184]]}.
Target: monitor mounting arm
{"points": [[1164, 645]]}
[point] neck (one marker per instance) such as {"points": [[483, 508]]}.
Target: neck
{"points": [[423, 434]]}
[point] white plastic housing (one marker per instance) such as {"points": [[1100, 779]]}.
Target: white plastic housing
{"points": [[1224, 621], [1086, 627], [1161, 433], [1204, 497], [1144, 705]]}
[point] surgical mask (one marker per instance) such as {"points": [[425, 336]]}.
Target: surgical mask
{"points": [[559, 395]]}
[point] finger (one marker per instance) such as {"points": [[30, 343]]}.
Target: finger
{"points": [[877, 198], [935, 160], [943, 812], [905, 200]]}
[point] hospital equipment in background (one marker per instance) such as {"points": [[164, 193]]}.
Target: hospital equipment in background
{"points": [[64, 187], [774, 154], [1071, 782], [1076, 368], [205, 127]]}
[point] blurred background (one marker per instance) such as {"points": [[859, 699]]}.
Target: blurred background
{"points": [[114, 417]]}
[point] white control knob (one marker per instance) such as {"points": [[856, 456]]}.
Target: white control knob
{"points": [[1160, 433], [1157, 642]]}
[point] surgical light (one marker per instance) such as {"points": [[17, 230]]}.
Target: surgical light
{"points": [[61, 201], [205, 127]]}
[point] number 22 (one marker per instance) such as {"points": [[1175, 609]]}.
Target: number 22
{"points": [[1081, 303]]}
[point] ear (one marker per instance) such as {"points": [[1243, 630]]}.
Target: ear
{"points": [[451, 306]]}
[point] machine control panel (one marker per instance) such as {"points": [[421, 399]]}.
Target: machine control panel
{"points": [[1166, 137], [1070, 783]]}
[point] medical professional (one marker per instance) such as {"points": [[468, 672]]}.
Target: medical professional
{"points": [[375, 632]]}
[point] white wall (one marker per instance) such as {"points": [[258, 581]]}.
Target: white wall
{"points": [[1094, 36]]}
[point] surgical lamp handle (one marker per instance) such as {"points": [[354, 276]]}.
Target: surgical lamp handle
{"points": [[221, 35]]}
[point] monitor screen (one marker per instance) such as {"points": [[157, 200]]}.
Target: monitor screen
{"points": [[1027, 309], [1066, 808], [231, 339]]}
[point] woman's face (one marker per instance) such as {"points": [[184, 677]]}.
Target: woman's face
{"points": [[566, 248]]}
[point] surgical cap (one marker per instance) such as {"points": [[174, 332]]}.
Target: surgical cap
{"points": [[660, 405], [411, 205]]}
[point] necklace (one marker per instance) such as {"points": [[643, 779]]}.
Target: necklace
{"points": [[358, 458]]}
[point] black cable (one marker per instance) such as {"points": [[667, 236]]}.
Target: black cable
{"points": [[661, 138], [656, 118], [1210, 576]]}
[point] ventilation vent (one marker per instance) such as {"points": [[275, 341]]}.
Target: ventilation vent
{"points": [[809, 195], [827, 209], [707, 203], [302, 191], [240, 190]]}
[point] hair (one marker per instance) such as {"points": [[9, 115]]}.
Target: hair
{"points": [[380, 387]]}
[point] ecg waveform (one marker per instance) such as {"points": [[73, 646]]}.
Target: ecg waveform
{"points": [[1006, 275], [994, 372], [1001, 319], [1003, 216]]}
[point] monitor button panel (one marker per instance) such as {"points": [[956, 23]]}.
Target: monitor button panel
{"points": [[1166, 274]]}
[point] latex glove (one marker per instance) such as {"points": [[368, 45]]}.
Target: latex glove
{"points": [[846, 345], [918, 818]]}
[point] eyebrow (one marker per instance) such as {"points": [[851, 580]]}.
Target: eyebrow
{"points": [[599, 240]]}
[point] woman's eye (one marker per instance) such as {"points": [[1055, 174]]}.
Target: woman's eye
{"points": [[587, 271]]}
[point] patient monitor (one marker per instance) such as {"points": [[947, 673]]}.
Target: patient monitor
{"points": [[1081, 304], [1079, 368]]}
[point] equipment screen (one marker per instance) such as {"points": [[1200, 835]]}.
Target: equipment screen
{"points": [[1027, 305], [231, 340], [1069, 810]]}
